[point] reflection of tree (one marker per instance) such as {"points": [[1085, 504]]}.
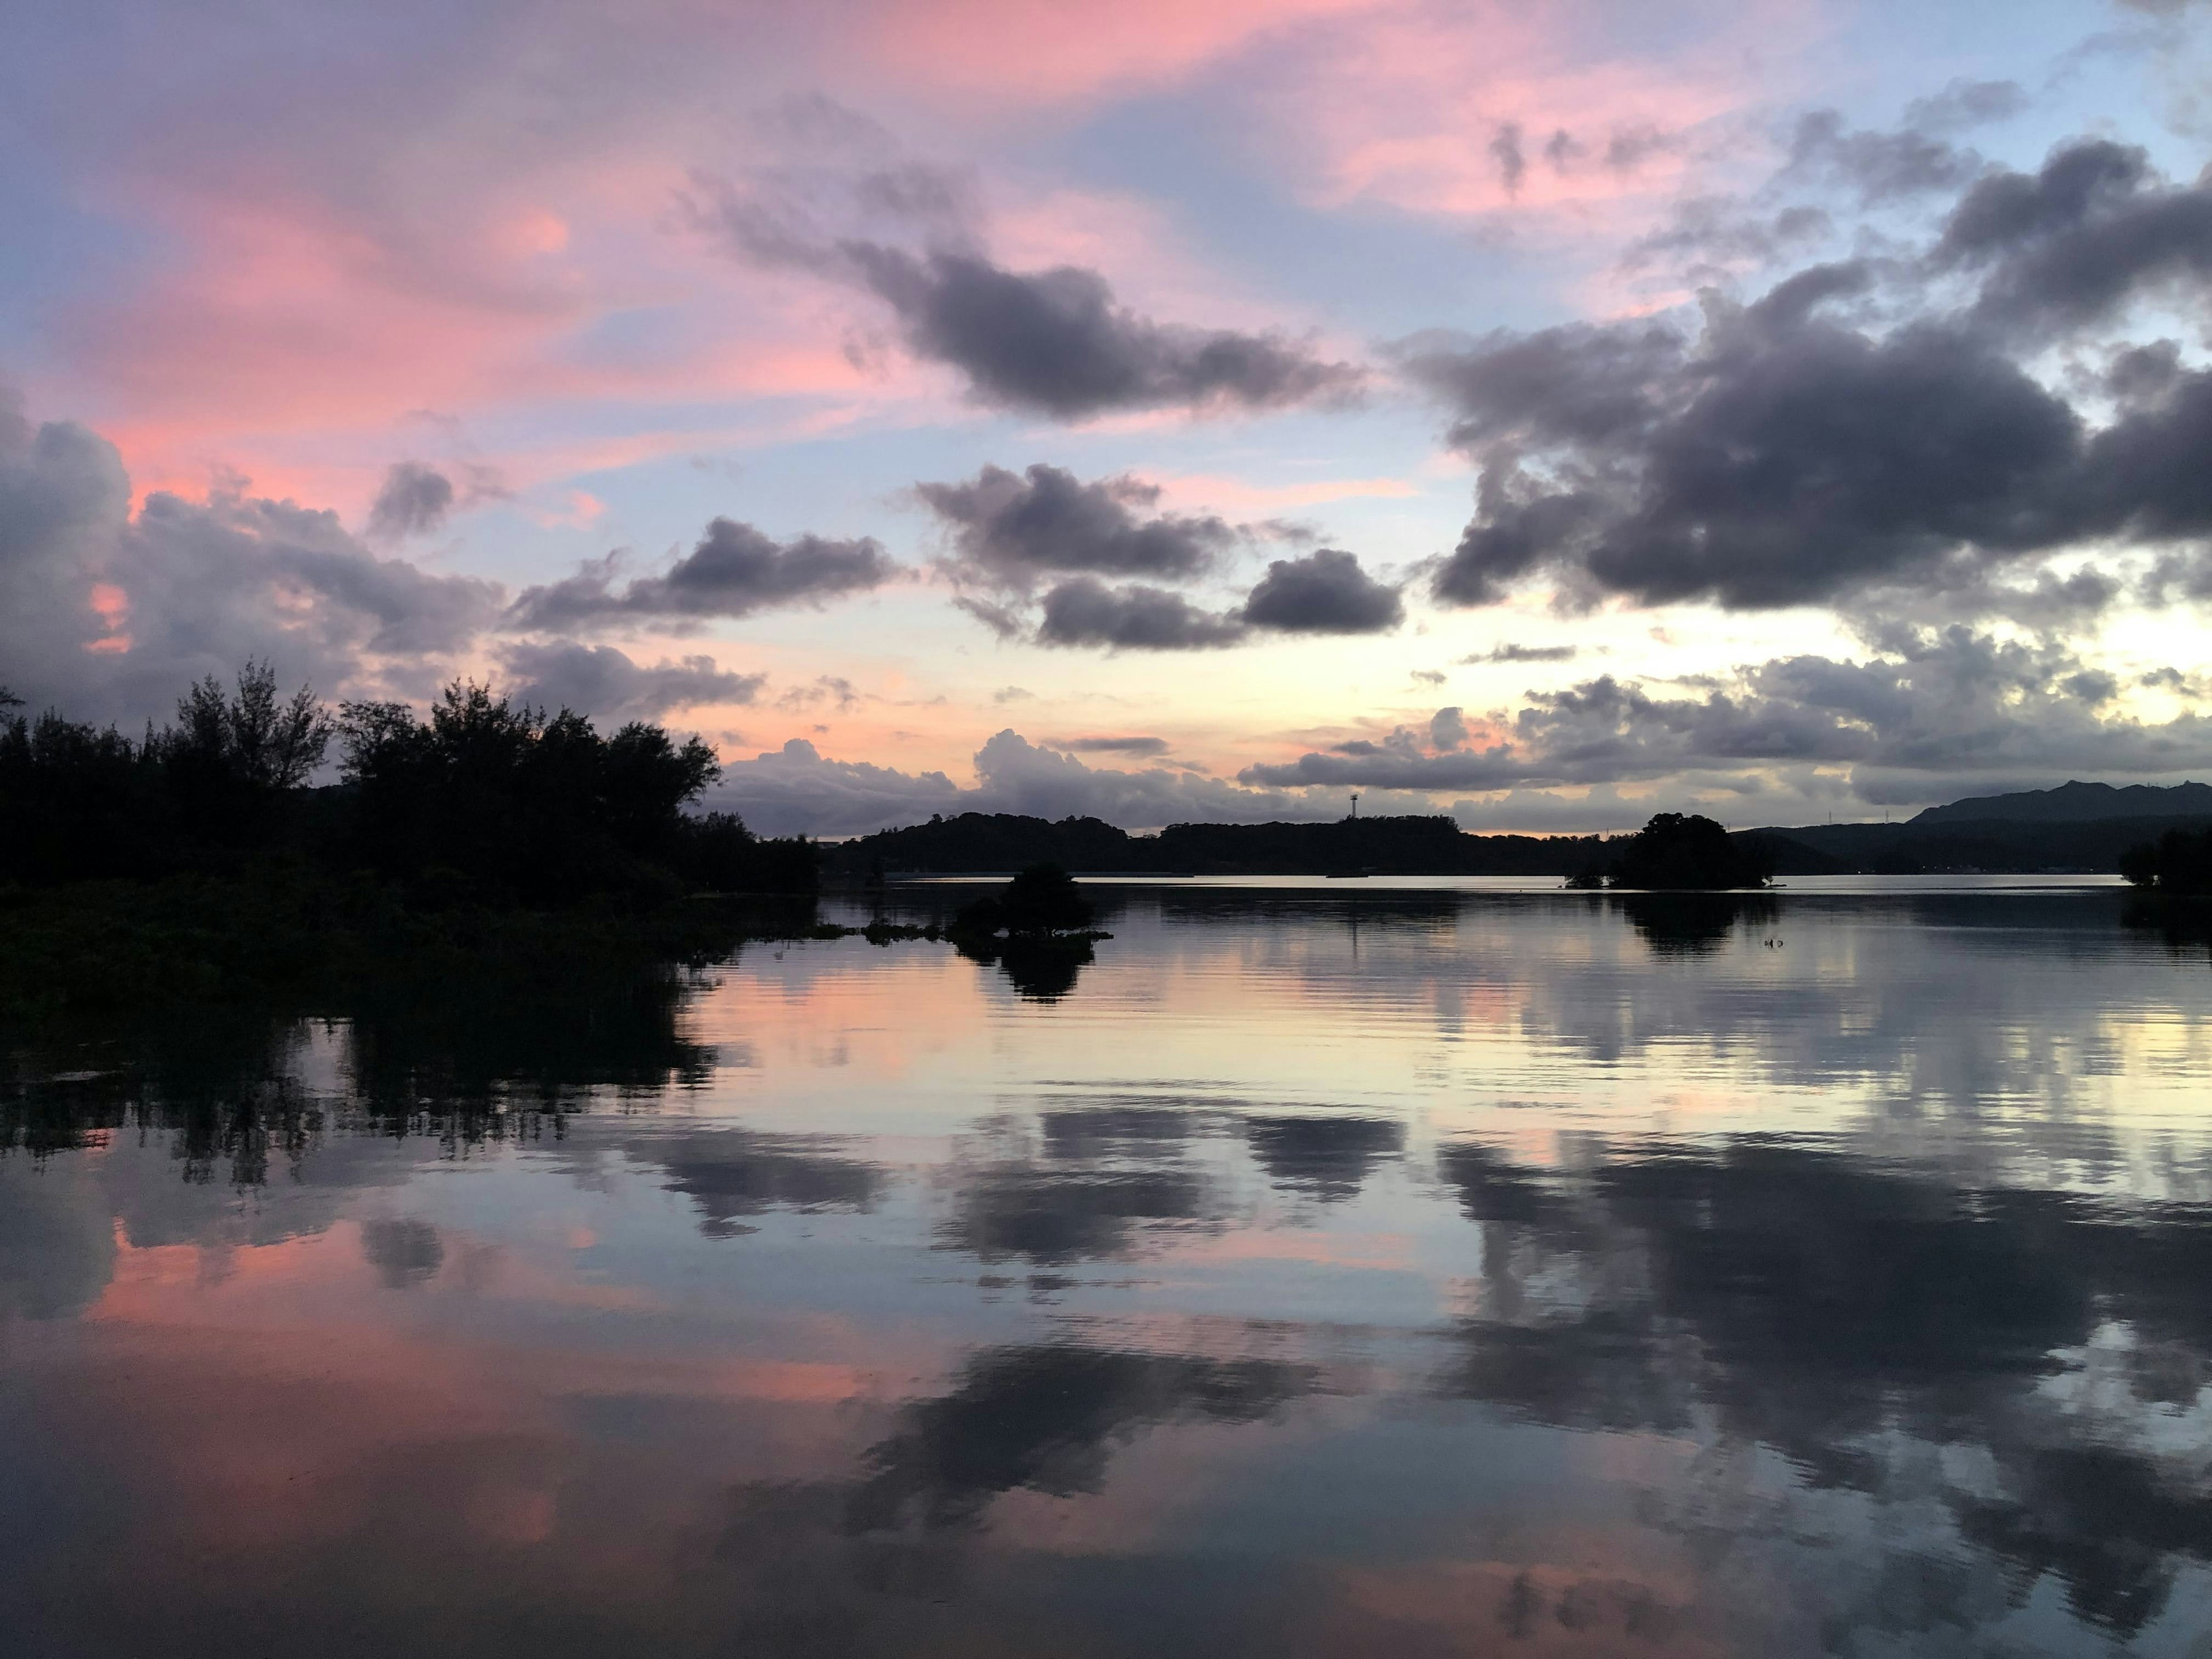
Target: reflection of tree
{"points": [[1327, 1159], [451, 1055], [218, 1085], [1691, 924], [1048, 1418], [1823, 1307], [1041, 969]]}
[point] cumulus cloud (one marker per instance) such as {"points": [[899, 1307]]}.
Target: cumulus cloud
{"points": [[1921, 721], [606, 684], [2070, 244], [414, 498], [1865, 423], [797, 790], [1786, 457], [733, 571], [1055, 341], [1135, 617], [109, 615], [1010, 529], [1324, 593]]}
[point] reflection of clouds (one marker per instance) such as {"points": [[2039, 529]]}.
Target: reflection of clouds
{"points": [[1087, 1189], [1048, 1418], [56, 1242], [405, 1250], [731, 1172], [1854, 1318], [1734, 1393]]}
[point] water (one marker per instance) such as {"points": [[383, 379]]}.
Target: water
{"points": [[1341, 1269]]}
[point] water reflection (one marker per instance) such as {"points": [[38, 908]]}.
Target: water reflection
{"points": [[1695, 924], [1428, 1272]]}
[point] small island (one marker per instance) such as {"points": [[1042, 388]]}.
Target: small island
{"points": [[1682, 852]]}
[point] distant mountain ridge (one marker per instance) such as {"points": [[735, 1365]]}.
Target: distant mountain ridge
{"points": [[2082, 828], [2075, 803]]}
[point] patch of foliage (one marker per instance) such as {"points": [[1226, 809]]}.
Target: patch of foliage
{"points": [[2177, 865], [1040, 901], [1683, 852]]}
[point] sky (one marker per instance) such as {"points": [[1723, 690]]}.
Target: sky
{"points": [[1787, 409]]}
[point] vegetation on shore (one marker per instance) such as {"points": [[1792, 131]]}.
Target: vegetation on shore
{"points": [[2177, 865], [1681, 852], [197, 862]]}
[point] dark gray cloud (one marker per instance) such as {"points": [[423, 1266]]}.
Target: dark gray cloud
{"points": [[1009, 529], [1057, 341], [1135, 617], [1787, 459], [1510, 652], [604, 683], [2069, 244], [414, 498], [1865, 424], [1879, 166], [1325, 591], [1579, 384], [733, 571], [109, 615], [1111, 746]]}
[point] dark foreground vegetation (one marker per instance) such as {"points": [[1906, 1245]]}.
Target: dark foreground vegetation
{"points": [[197, 861], [2177, 865]]}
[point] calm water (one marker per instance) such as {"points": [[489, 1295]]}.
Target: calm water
{"points": [[1349, 1270]]}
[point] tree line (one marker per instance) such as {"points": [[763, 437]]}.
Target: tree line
{"points": [[487, 801]]}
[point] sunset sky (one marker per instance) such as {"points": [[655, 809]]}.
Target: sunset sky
{"points": [[1545, 413]]}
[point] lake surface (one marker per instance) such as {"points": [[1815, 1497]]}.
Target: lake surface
{"points": [[1339, 1269]]}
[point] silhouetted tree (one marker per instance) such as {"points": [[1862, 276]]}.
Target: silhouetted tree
{"points": [[1042, 899], [1681, 850], [514, 802], [2177, 864], [486, 800], [231, 758], [76, 801]]}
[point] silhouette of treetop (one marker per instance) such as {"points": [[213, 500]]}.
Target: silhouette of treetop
{"points": [[1681, 850], [1042, 901]]}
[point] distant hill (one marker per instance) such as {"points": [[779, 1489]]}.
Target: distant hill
{"points": [[996, 843], [2077, 803]]}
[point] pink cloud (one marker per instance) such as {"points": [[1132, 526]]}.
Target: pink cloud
{"points": [[1031, 53], [1475, 110]]}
